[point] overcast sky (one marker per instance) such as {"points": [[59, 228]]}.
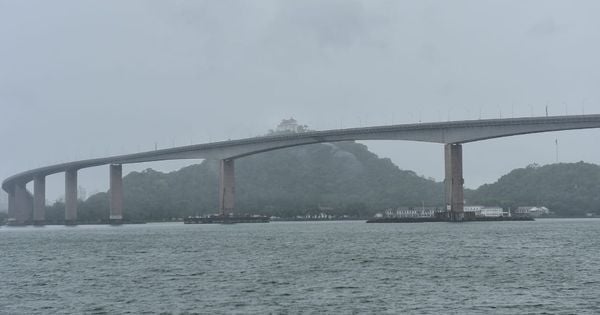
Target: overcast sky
{"points": [[81, 79]]}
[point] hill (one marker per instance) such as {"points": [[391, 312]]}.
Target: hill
{"points": [[568, 189], [342, 177]]}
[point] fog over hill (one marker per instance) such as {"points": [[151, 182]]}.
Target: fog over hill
{"points": [[172, 73], [568, 189], [344, 178], [339, 178]]}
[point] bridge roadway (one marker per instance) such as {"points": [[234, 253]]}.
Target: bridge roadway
{"points": [[25, 208]]}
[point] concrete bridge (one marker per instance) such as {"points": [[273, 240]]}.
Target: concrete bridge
{"points": [[27, 208]]}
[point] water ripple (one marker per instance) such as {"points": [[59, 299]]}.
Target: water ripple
{"points": [[541, 267]]}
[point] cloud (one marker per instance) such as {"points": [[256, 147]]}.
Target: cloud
{"points": [[312, 30], [81, 79], [544, 27]]}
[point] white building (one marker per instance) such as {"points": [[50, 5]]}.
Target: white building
{"points": [[475, 209], [482, 211], [532, 211], [491, 212], [420, 212], [288, 125]]}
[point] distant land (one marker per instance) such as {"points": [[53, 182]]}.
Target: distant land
{"points": [[338, 179], [567, 189]]}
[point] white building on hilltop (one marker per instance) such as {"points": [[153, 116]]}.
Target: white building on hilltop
{"points": [[288, 125]]}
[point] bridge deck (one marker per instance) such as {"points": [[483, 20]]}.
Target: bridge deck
{"points": [[438, 132]]}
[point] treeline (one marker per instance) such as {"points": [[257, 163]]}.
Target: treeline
{"points": [[567, 189], [341, 178]]}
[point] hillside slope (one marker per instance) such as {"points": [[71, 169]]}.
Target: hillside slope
{"points": [[568, 189], [345, 177]]}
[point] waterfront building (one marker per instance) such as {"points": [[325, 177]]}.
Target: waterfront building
{"points": [[532, 211], [491, 212], [483, 211], [475, 209], [410, 212]]}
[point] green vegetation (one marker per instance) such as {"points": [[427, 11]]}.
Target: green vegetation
{"points": [[567, 189], [341, 178]]}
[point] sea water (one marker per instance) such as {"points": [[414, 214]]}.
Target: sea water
{"points": [[549, 266]]}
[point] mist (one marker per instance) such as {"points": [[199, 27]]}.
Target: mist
{"points": [[81, 80]]}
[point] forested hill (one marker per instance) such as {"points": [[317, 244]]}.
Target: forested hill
{"points": [[343, 177], [340, 178], [568, 189]]}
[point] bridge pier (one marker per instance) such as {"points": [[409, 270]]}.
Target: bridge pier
{"points": [[71, 197], [454, 181], [39, 200], [116, 194], [226, 187], [12, 207], [23, 205]]}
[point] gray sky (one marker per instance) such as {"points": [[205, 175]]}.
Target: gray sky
{"points": [[81, 79]]}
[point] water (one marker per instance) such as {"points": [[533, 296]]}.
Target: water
{"points": [[541, 267]]}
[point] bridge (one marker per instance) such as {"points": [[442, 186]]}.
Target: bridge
{"points": [[27, 208]]}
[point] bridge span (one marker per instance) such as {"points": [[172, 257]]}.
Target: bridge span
{"points": [[27, 208]]}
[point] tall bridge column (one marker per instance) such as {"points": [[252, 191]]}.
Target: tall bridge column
{"points": [[116, 194], [71, 197], [39, 200], [454, 181], [226, 187], [12, 206], [23, 205]]}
